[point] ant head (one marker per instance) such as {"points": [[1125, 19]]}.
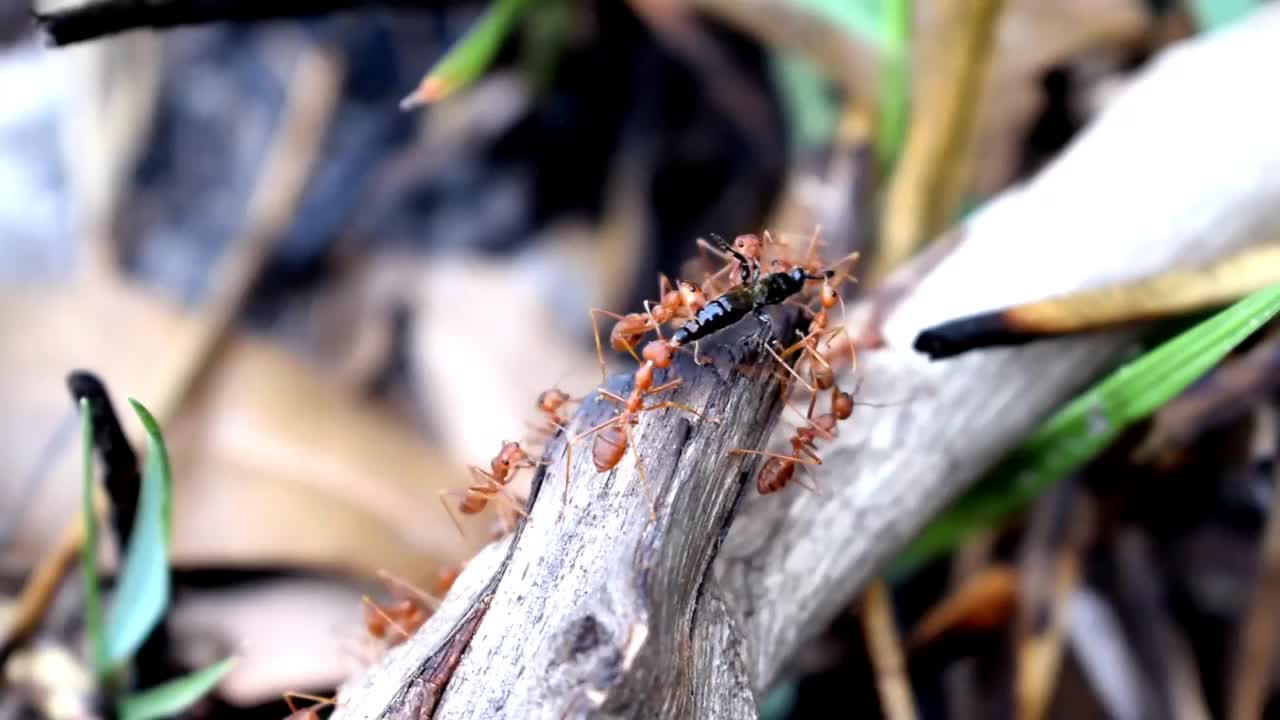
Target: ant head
{"points": [[552, 399], [511, 452], [747, 244]]}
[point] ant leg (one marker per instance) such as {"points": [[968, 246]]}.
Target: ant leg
{"points": [[616, 398], [716, 249], [698, 357], [482, 476], [813, 488], [568, 465], [427, 598], [779, 456], [678, 406], [811, 254], [595, 329], [656, 325], [853, 353], [746, 269], [800, 344], [664, 386], [644, 477], [289, 696], [810, 454], [449, 509], [369, 603], [788, 368], [502, 495]]}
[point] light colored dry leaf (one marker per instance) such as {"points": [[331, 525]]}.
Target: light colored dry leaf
{"points": [[950, 69], [1034, 36], [272, 464], [487, 341], [277, 647]]}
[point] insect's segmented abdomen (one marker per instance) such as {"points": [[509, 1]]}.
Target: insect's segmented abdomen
{"points": [[715, 315]]}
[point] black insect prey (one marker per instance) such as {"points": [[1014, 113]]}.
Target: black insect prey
{"points": [[750, 298]]}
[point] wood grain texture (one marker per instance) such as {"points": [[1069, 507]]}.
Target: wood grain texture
{"points": [[601, 613]]}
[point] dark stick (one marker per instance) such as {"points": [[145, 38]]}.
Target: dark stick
{"points": [[120, 477], [123, 483], [108, 17], [955, 337]]}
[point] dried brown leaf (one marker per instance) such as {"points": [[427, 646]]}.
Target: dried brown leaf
{"points": [[273, 465], [985, 602]]}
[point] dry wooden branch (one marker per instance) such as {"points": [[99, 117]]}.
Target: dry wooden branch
{"points": [[597, 611]]}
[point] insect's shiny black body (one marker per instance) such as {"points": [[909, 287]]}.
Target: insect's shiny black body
{"points": [[746, 299]]}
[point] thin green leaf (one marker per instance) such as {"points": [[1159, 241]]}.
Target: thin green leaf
{"points": [[812, 112], [895, 94], [471, 56], [1088, 424], [862, 18], [143, 593], [1211, 15], [89, 554], [779, 702], [173, 697]]}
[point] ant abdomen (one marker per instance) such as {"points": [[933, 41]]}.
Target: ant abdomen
{"points": [[775, 475], [609, 446], [473, 503]]}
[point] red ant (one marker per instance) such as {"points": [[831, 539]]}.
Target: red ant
{"points": [[550, 404], [613, 436], [490, 485], [779, 469], [682, 301], [307, 713], [820, 370], [405, 616], [746, 251], [447, 576]]}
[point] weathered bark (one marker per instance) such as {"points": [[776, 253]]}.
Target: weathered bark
{"points": [[598, 611]]}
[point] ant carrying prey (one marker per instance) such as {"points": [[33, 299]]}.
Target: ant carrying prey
{"points": [[751, 297]]}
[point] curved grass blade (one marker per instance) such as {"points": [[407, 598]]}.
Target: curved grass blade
{"points": [[171, 698], [143, 593], [891, 126], [89, 554], [469, 57], [1089, 423]]}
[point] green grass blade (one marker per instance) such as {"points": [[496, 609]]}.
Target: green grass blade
{"points": [[812, 113], [171, 698], [143, 593], [860, 18], [474, 52], [1212, 15], [89, 554], [1091, 422], [895, 95]]}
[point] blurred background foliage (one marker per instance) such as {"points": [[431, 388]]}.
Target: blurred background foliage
{"points": [[334, 306]]}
